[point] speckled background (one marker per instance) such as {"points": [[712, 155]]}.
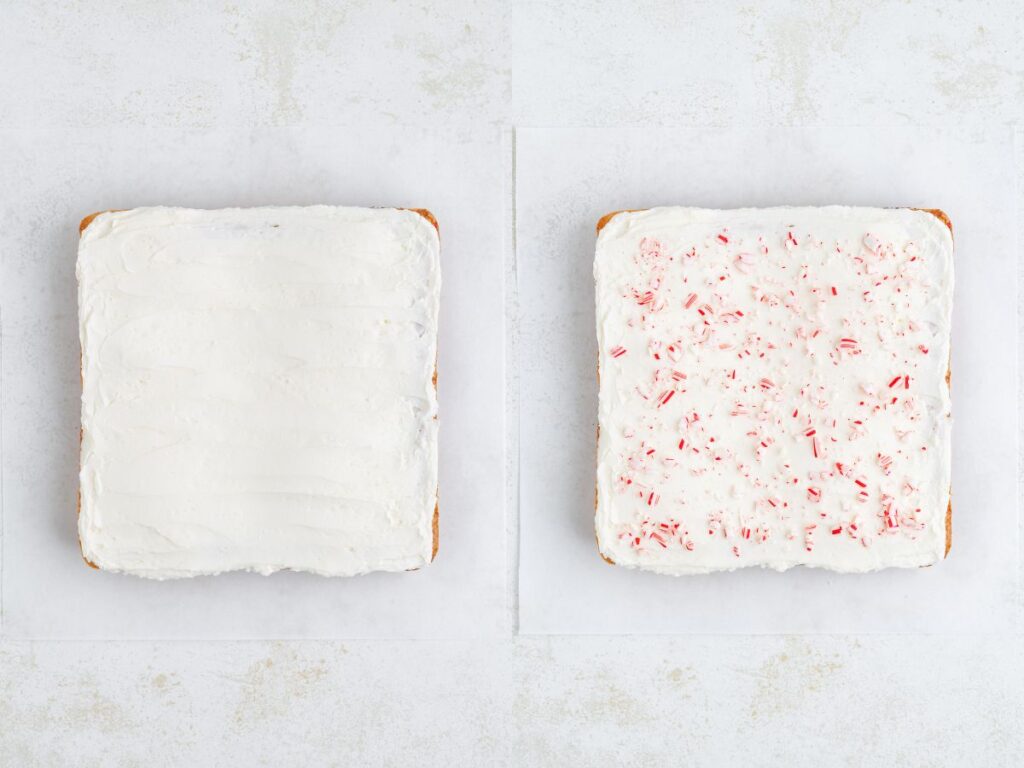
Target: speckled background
{"points": [[459, 67]]}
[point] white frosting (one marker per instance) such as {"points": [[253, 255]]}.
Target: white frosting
{"points": [[257, 390], [755, 405]]}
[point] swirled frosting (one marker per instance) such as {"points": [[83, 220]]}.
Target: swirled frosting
{"points": [[258, 390], [773, 388]]}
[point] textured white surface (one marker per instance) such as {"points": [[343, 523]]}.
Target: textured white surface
{"points": [[914, 699]]}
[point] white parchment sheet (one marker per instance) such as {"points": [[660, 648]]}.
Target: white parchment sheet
{"points": [[568, 178], [49, 181]]}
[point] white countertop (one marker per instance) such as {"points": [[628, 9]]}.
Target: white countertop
{"points": [[218, 104]]}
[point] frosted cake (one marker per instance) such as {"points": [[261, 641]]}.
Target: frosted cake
{"points": [[258, 390]]}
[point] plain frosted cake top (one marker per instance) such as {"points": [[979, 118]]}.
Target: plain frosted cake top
{"points": [[773, 388], [257, 390]]}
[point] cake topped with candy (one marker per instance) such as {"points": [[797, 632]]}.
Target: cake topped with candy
{"points": [[774, 388]]}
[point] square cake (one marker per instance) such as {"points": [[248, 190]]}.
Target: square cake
{"points": [[258, 390], [774, 388]]}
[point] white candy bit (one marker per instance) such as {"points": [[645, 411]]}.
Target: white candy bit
{"points": [[743, 262], [872, 243]]}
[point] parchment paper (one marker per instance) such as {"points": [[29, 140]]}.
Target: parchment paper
{"points": [[52, 179], [567, 179]]}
